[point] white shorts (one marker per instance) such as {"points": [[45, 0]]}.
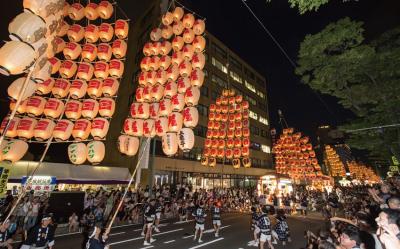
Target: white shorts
{"points": [[158, 215], [217, 222], [265, 237], [199, 226]]}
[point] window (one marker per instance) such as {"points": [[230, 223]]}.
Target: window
{"points": [[264, 133], [221, 82], [250, 99], [249, 73], [250, 86], [261, 105], [214, 95], [219, 65], [203, 110], [235, 63], [253, 115], [220, 52], [260, 94], [236, 77], [266, 148], [194, 154], [200, 131], [255, 146], [260, 82], [254, 130], [263, 120], [204, 91]]}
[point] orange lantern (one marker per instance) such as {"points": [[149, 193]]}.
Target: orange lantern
{"points": [[91, 33], [197, 77], [187, 52], [25, 128], [78, 89], [53, 108], [100, 128], [12, 127], [76, 11], [106, 32], [177, 43], [165, 62], [81, 130], [45, 87], [198, 61], [63, 130], [89, 52], [106, 107], [104, 52], [105, 9], [188, 35], [167, 18], [68, 69], [154, 63], [170, 89], [91, 11], [116, 68], [167, 32], [119, 48], [109, 87], [72, 50], [75, 33], [94, 88], [90, 108], [177, 102], [147, 93], [149, 128], [55, 64], [153, 110], [155, 34], [177, 14], [190, 117], [43, 129], [199, 27], [73, 109], [177, 58], [101, 70], [121, 29], [199, 44], [177, 28], [192, 96], [143, 111], [165, 48], [155, 48], [85, 71]]}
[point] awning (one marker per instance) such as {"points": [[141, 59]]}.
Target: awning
{"points": [[72, 174]]}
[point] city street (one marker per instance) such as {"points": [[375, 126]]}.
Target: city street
{"points": [[235, 234]]}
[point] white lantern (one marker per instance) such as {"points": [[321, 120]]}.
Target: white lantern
{"points": [[43, 73], [197, 77], [68, 69], [21, 108], [154, 63], [85, 71], [146, 94], [96, 152], [186, 139], [177, 58], [178, 28], [143, 110], [91, 11], [170, 144], [77, 153], [14, 150], [188, 36], [63, 29], [116, 68], [16, 57], [153, 110], [146, 49], [161, 126], [144, 64], [73, 109], [106, 32], [161, 77], [53, 108], [175, 122], [81, 130], [76, 11], [25, 128], [142, 78], [167, 32], [198, 61], [75, 33], [139, 94], [59, 44], [60, 88], [106, 107], [90, 108], [192, 96], [199, 44], [170, 89], [91, 33], [39, 7], [133, 109], [78, 89], [109, 87], [173, 72], [122, 143], [104, 52], [157, 93], [165, 48], [151, 78], [155, 34], [55, 64], [188, 20], [155, 48], [119, 48], [15, 88], [35, 106], [167, 18], [185, 68], [190, 117], [72, 51], [43, 129], [12, 128], [121, 29], [63, 130], [177, 102], [101, 70], [165, 62], [100, 128], [148, 128], [136, 128], [183, 84], [105, 9], [89, 52], [199, 27], [165, 108], [27, 27], [177, 43], [132, 146], [187, 52]]}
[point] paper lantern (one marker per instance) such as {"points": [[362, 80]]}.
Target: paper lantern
{"points": [[21, 108], [100, 128], [160, 77], [12, 127], [165, 62], [209, 134], [77, 153], [192, 96], [147, 93], [177, 102], [27, 27], [16, 57], [132, 146], [185, 139], [183, 84], [188, 36], [187, 52], [177, 28], [105, 9], [154, 63], [106, 107], [188, 20], [155, 48], [153, 110], [155, 34], [204, 160], [177, 58], [38, 7], [76, 11], [77, 89], [245, 151], [106, 32], [167, 32], [246, 142], [147, 49], [198, 61], [246, 162], [246, 132], [127, 128], [199, 27], [53, 108], [63, 29], [165, 48], [139, 94], [119, 48], [90, 108], [177, 14], [185, 68], [91, 33], [15, 88], [91, 11], [245, 114], [73, 109], [55, 64], [72, 50], [75, 33], [85, 71], [149, 128], [177, 43], [212, 162], [161, 126], [122, 143], [170, 89], [237, 152], [245, 105], [165, 108], [35, 106], [43, 129], [144, 64], [157, 93], [104, 52], [116, 68], [238, 99], [89, 52], [213, 152], [14, 150], [229, 153], [142, 79], [199, 44], [190, 117], [95, 151], [207, 143], [143, 110], [25, 128], [81, 129], [109, 87], [170, 144], [94, 88], [197, 77], [68, 69], [101, 69], [212, 107], [167, 18], [121, 29], [175, 122], [137, 127], [63, 130]]}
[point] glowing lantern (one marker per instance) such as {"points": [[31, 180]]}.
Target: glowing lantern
{"points": [[212, 162], [148, 128], [95, 151], [175, 122], [90, 108], [75, 33], [245, 114], [146, 93], [53, 108], [192, 96], [21, 108], [35, 106], [127, 128], [132, 146], [161, 126], [16, 57], [160, 78], [157, 92], [63, 130], [165, 108], [197, 78], [167, 18], [143, 111], [12, 128], [99, 128], [101, 70], [91, 12], [147, 49], [81, 129], [72, 50], [153, 110], [77, 153], [106, 107], [177, 58], [198, 61], [154, 63], [119, 48], [73, 109], [106, 32], [89, 52], [155, 48], [43, 129], [94, 88], [77, 89], [104, 52], [27, 27], [14, 89], [85, 71], [177, 28], [186, 139], [199, 27], [142, 78], [91, 33], [109, 87], [105, 9], [68, 69], [165, 48], [76, 11], [212, 107], [246, 132], [177, 102], [246, 162], [13, 150], [199, 44], [55, 64], [183, 84], [170, 89], [121, 29], [187, 52], [188, 36], [170, 144], [63, 29], [139, 94], [245, 105], [25, 128], [165, 62], [167, 32], [144, 64], [122, 143], [177, 14], [155, 34], [246, 142], [116, 68], [177, 43], [38, 7], [185, 68], [204, 160], [188, 20]]}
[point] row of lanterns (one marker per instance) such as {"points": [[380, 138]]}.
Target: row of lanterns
{"points": [[94, 152], [361, 172], [91, 33], [333, 161]]}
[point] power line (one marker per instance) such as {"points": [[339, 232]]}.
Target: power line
{"points": [[373, 128]]}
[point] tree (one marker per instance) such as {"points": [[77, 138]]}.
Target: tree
{"points": [[365, 77], [307, 5]]}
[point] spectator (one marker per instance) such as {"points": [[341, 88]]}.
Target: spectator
{"points": [[73, 223], [350, 238]]}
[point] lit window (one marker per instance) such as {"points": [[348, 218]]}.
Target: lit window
{"points": [[218, 80], [236, 77], [265, 148], [263, 120], [219, 65], [250, 86], [253, 115], [261, 94], [250, 99]]}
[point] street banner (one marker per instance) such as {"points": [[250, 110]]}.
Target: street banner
{"points": [[5, 168]]}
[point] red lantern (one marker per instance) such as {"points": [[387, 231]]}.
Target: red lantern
{"points": [[246, 132], [198, 61], [229, 153], [246, 142], [121, 29], [94, 88], [101, 70], [104, 52], [245, 151], [237, 152], [53, 108], [91, 33], [90, 108], [25, 128], [177, 58], [212, 107], [89, 52], [165, 62], [119, 48], [197, 77], [146, 49], [73, 109]]}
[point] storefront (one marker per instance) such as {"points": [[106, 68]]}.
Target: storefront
{"points": [[271, 184]]}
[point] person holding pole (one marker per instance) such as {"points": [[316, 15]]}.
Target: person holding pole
{"points": [[41, 236], [150, 214], [97, 238]]}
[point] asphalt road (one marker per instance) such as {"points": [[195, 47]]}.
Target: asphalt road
{"points": [[235, 234]]}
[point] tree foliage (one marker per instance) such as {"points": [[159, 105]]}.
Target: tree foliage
{"points": [[307, 5]]}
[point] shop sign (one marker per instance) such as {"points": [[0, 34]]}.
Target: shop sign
{"points": [[4, 174], [40, 183]]}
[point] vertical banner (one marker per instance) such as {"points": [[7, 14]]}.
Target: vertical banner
{"points": [[4, 175]]}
